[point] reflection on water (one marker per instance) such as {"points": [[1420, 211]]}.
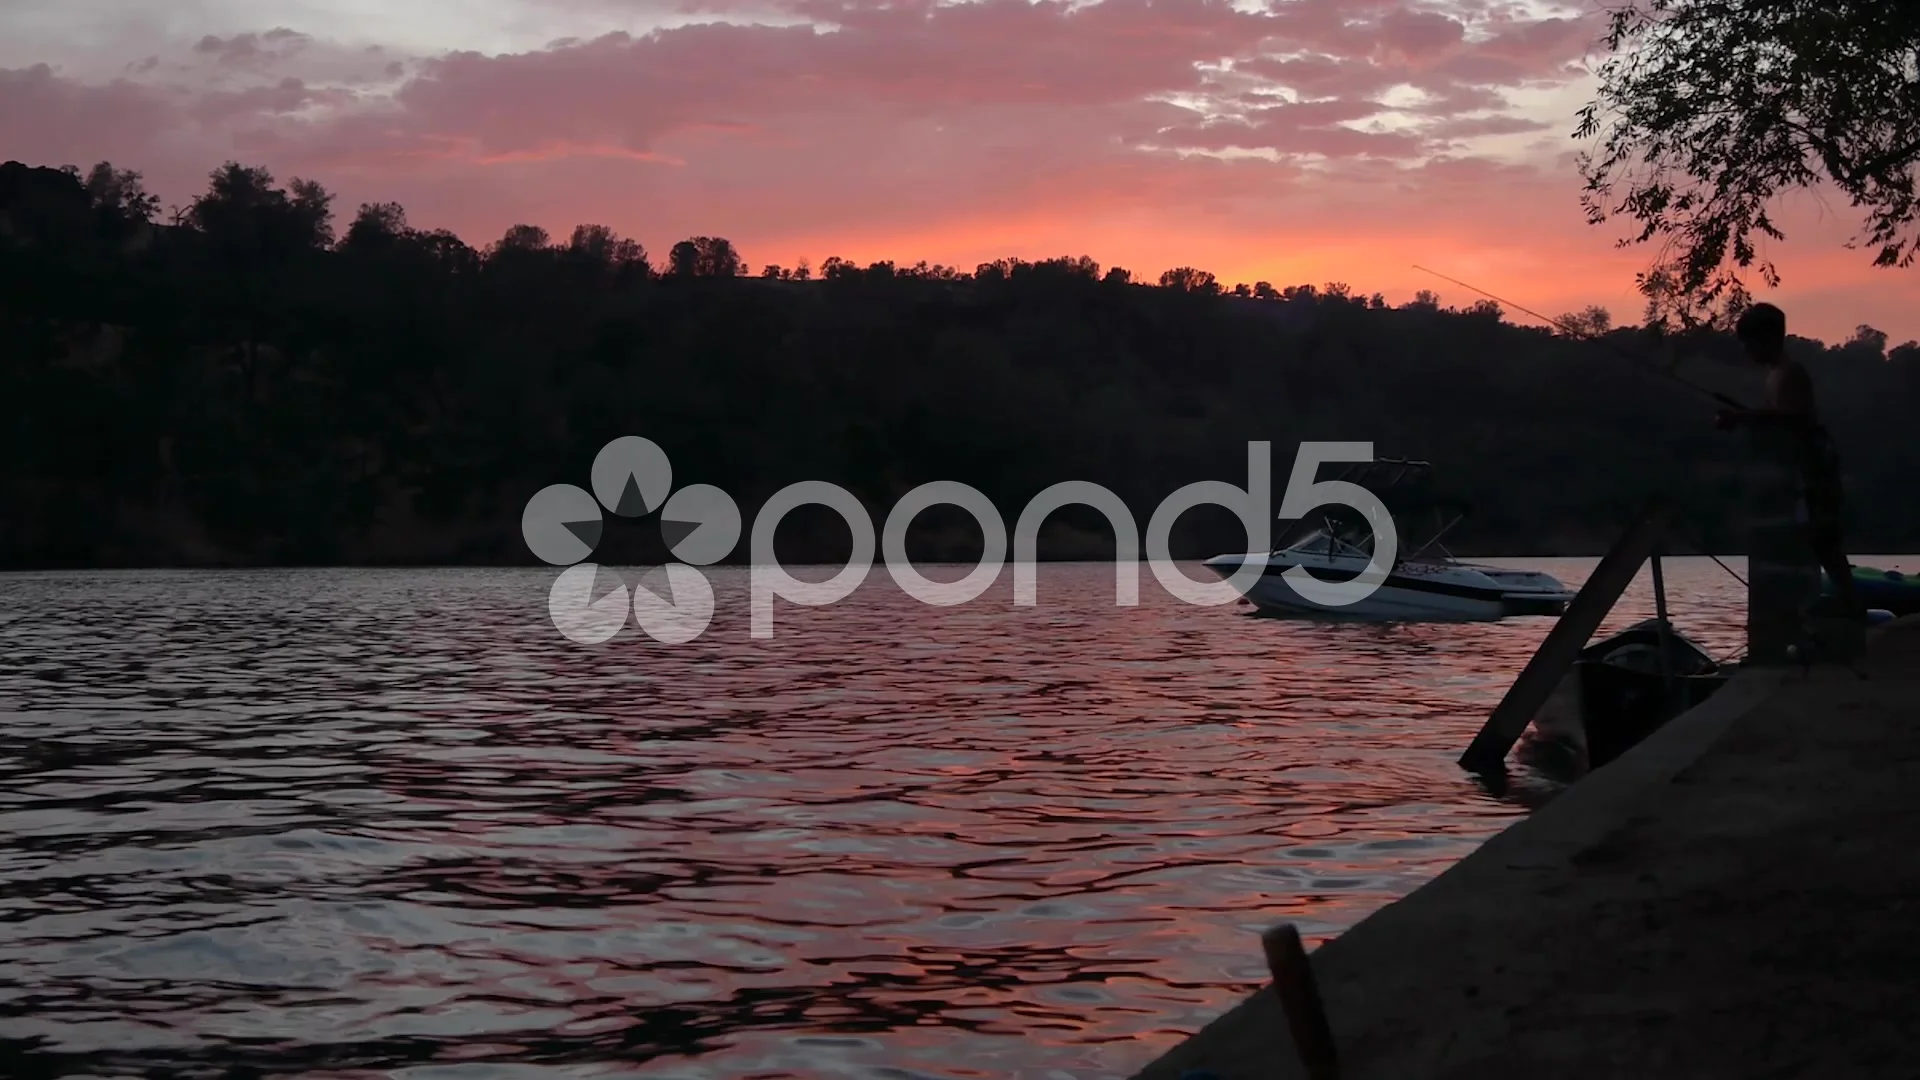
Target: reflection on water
{"points": [[390, 822]]}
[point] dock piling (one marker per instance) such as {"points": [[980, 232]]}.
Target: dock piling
{"points": [[1668, 686], [1299, 997]]}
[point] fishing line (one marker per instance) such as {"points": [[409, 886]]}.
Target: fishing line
{"points": [[1729, 570], [1563, 328], [1674, 375]]}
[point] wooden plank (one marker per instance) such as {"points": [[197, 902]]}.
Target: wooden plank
{"points": [[1300, 1000], [1556, 655]]}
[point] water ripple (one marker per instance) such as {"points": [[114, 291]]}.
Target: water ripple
{"points": [[360, 823]]}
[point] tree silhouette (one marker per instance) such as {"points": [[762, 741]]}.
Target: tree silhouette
{"points": [[376, 228], [44, 207], [1189, 280], [121, 193], [705, 257], [1710, 109], [603, 250], [1592, 321], [249, 217], [524, 238], [1870, 340]]}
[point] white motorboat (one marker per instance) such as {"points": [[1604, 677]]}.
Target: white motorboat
{"points": [[1425, 583]]}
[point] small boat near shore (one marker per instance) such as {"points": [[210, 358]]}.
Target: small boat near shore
{"points": [[1626, 686], [1425, 584]]}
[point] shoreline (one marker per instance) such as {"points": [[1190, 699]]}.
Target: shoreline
{"points": [[1668, 872], [1044, 558]]}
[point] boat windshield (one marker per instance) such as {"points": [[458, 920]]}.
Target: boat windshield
{"points": [[1420, 515]]}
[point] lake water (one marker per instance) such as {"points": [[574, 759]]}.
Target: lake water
{"points": [[391, 823]]}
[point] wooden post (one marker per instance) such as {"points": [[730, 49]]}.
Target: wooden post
{"points": [[1667, 683], [1783, 577], [1542, 675], [1300, 999]]}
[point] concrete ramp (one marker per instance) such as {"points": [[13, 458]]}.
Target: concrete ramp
{"points": [[1731, 899]]}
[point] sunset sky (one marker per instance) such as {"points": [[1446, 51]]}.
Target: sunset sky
{"points": [[1291, 141]]}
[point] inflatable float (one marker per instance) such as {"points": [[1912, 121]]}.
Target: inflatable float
{"points": [[1889, 590]]}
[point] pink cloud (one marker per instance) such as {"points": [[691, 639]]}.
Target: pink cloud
{"points": [[1546, 43], [1471, 127], [1410, 38], [51, 119], [253, 50], [1307, 127]]}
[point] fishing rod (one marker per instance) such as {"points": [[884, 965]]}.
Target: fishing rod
{"points": [[1602, 342]]}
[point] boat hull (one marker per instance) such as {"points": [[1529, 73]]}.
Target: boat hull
{"points": [[1417, 593]]}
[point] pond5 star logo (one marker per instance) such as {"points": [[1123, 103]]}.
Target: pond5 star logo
{"points": [[632, 478]]}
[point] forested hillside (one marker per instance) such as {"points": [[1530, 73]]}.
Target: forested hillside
{"points": [[243, 381]]}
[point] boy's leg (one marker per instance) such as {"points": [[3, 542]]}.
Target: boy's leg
{"points": [[1830, 549], [1822, 501]]}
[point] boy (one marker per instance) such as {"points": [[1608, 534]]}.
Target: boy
{"points": [[1762, 331]]}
